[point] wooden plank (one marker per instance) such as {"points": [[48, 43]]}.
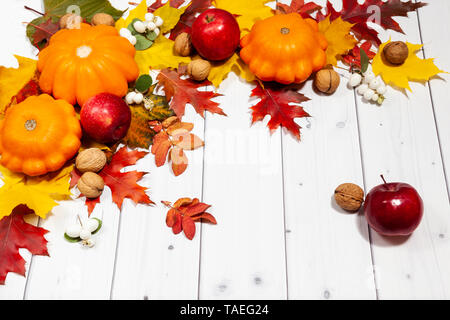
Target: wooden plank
{"points": [[399, 140], [328, 251], [11, 19], [244, 256]]}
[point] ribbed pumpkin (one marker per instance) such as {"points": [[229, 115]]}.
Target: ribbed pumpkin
{"points": [[39, 135], [80, 63], [285, 48]]}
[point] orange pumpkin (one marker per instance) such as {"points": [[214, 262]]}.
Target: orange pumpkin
{"points": [[80, 63], [285, 48], [39, 135]]}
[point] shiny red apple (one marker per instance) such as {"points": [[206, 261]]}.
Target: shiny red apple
{"points": [[393, 209], [105, 118], [215, 34]]}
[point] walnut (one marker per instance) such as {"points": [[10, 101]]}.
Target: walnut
{"points": [[70, 21], [327, 81], [91, 185], [199, 69], [102, 19], [90, 160], [183, 45], [396, 52], [349, 197]]}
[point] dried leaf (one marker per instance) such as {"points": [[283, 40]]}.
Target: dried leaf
{"points": [[187, 141], [179, 160], [220, 70]]}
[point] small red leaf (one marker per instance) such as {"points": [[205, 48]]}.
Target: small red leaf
{"points": [[177, 227], [205, 216], [188, 227]]}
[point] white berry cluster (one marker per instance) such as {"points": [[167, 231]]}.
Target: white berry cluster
{"points": [[134, 97], [83, 231], [151, 23], [371, 87]]}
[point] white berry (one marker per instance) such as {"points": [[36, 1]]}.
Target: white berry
{"points": [[158, 21], [124, 32], [149, 16], [130, 97], [355, 79], [73, 231], [375, 97], [139, 26], [88, 243], [362, 89], [375, 83], [368, 77], [132, 40], [91, 224], [138, 98], [369, 94], [151, 26], [85, 234], [156, 31], [382, 89]]}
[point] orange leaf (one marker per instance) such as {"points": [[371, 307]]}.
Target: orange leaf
{"points": [[177, 227], [180, 127], [197, 209], [171, 217], [161, 153], [182, 202], [205, 216], [188, 141], [188, 227], [179, 160]]}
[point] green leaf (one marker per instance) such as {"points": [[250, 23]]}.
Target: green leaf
{"points": [[131, 27], [143, 83], [364, 60], [142, 43], [151, 35], [99, 225], [70, 239], [87, 8]]}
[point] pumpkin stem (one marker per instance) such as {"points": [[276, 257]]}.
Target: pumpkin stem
{"points": [[285, 30], [30, 125], [84, 51]]}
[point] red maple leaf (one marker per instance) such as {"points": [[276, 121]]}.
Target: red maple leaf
{"points": [[15, 234], [122, 184], [189, 16], [361, 14], [158, 4], [353, 58], [275, 101], [299, 6], [184, 213], [43, 32], [182, 91]]}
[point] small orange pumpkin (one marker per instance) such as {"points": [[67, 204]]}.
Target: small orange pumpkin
{"points": [[285, 48], [39, 135], [80, 63]]}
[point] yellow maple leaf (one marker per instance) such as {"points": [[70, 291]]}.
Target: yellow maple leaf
{"points": [[12, 80], [170, 16], [219, 71], [160, 55], [38, 193], [340, 41], [414, 68], [249, 11]]}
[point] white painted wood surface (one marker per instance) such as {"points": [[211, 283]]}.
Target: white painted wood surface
{"points": [[279, 234]]}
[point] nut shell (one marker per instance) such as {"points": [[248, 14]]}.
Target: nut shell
{"points": [[103, 19], [327, 81], [183, 45], [90, 160], [199, 69], [396, 52], [91, 185], [349, 197], [70, 21]]}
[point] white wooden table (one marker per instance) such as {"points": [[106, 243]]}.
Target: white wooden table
{"points": [[279, 234]]}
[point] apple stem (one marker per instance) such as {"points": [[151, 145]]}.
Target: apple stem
{"points": [[382, 177]]}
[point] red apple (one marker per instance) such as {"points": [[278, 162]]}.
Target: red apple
{"points": [[393, 209], [215, 34], [105, 118]]}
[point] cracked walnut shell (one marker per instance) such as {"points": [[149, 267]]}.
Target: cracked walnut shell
{"points": [[90, 160], [91, 185], [349, 197]]}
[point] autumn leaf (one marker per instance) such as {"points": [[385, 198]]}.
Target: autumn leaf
{"points": [[37, 193], [172, 140], [122, 184], [179, 92], [275, 102], [40, 30], [361, 14], [17, 234], [88, 8], [338, 36], [12, 80], [170, 15], [353, 58], [247, 11], [299, 6], [184, 213], [220, 70], [414, 68], [188, 17]]}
